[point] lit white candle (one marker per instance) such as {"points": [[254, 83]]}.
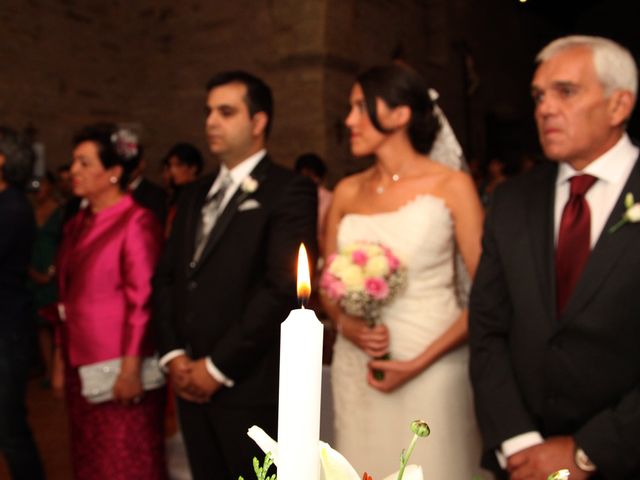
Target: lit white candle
{"points": [[300, 387]]}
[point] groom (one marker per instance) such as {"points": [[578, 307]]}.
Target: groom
{"points": [[555, 307], [227, 280]]}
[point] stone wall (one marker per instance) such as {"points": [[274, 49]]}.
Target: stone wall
{"points": [[66, 63]]}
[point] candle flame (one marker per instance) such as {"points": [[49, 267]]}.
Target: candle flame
{"points": [[304, 278]]}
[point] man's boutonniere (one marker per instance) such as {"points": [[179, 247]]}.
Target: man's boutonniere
{"points": [[631, 215], [249, 185]]}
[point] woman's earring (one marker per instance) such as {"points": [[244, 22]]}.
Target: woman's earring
{"points": [[113, 179]]}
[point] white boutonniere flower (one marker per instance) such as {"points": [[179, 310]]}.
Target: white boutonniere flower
{"points": [[632, 215], [249, 185]]}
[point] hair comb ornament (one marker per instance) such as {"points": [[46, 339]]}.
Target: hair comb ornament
{"points": [[126, 143]]}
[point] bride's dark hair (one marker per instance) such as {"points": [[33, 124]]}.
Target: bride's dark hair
{"points": [[397, 85]]}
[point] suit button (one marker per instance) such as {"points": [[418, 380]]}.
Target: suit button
{"points": [[192, 286], [192, 264]]}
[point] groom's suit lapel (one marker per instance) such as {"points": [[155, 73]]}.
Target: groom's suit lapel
{"points": [[540, 211], [230, 210], [608, 250]]}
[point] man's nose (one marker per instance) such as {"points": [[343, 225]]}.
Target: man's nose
{"points": [[547, 105]]}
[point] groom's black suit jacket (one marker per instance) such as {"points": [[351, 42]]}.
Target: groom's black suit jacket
{"points": [[229, 306], [577, 374]]}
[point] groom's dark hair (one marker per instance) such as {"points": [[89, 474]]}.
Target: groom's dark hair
{"points": [[259, 97]]}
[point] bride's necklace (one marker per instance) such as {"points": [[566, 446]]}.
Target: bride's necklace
{"points": [[394, 177], [381, 188]]}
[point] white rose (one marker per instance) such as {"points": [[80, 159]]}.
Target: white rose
{"points": [[352, 278], [377, 267], [373, 250], [633, 213], [338, 264]]}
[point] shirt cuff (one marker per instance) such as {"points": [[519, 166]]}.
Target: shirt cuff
{"points": [[217, 374], [167, 357], [516, 444]]}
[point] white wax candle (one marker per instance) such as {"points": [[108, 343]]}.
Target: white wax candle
{"points": [[299, 398]]}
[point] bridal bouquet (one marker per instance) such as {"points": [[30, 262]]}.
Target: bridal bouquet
{"points": [[363, 277]]}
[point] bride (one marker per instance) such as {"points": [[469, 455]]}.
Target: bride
{"points": [[425, 212]]}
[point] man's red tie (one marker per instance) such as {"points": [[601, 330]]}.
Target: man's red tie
{"points": [[573, 239]]}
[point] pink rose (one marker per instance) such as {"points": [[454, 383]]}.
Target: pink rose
{"points": [[394, 263], [376, 287], [332, 286], [335, 289], [359, 258]]}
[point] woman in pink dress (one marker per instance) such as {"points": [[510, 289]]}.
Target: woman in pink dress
{"points": [[106, 260]]}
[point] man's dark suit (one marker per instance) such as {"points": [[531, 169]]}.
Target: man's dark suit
{"points": [[229, 306], [576, 375]]}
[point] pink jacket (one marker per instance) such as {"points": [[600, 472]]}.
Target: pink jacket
{"points": [[105, 264]]}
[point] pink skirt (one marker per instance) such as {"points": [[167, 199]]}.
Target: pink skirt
{"points": [[111, 441]]}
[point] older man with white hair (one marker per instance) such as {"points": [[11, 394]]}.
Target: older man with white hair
{"points": [[555, 310]]}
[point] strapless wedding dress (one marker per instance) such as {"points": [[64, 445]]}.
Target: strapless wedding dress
{"points": [[372, 427]]}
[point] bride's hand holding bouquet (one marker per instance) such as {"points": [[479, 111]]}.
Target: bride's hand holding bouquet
{"points": [[374, 341]]}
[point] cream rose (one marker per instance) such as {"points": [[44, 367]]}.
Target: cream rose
{"points": [[377, 267], [352, 278]]}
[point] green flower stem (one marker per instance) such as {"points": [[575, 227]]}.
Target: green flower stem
{"points": [[404, 457], [618, 225], [420, 429]]}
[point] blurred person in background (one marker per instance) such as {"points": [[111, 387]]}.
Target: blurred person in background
{"points": [[145, 192], [312, 166], [183, 164], [16, 322], [49, 217]]}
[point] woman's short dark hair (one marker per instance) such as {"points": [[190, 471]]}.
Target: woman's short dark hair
{"points": [[106, 137], [398, 85], [258, 98], [186, 154], [18, 158]]}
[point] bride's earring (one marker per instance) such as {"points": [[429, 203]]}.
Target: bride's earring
{"points": [[113, 179]]}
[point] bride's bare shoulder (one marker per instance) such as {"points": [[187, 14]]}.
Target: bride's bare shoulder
{"points": [[349, 187]]}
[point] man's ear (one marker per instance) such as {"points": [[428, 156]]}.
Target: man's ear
{"points": [[620, 106], [259, 120]]}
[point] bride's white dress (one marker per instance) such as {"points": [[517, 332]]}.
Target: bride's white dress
{"points": [[372, 427]]}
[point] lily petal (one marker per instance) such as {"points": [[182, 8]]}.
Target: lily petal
{"points": [[334, 465], [265, 442], [411, 472]]}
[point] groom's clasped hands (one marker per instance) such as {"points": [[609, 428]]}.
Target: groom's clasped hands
{"points": [[191, 380]]}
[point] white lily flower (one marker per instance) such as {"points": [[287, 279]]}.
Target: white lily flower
{"points": [[411, 472], [333, 465]]}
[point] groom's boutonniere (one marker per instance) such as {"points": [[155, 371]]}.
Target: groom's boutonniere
{"points": [[631, 215], [249, 185]]}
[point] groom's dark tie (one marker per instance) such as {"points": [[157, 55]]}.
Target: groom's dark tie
{"points": [[574, 236]]}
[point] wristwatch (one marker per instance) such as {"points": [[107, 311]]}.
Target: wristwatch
{"points": [[582, 461]]}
